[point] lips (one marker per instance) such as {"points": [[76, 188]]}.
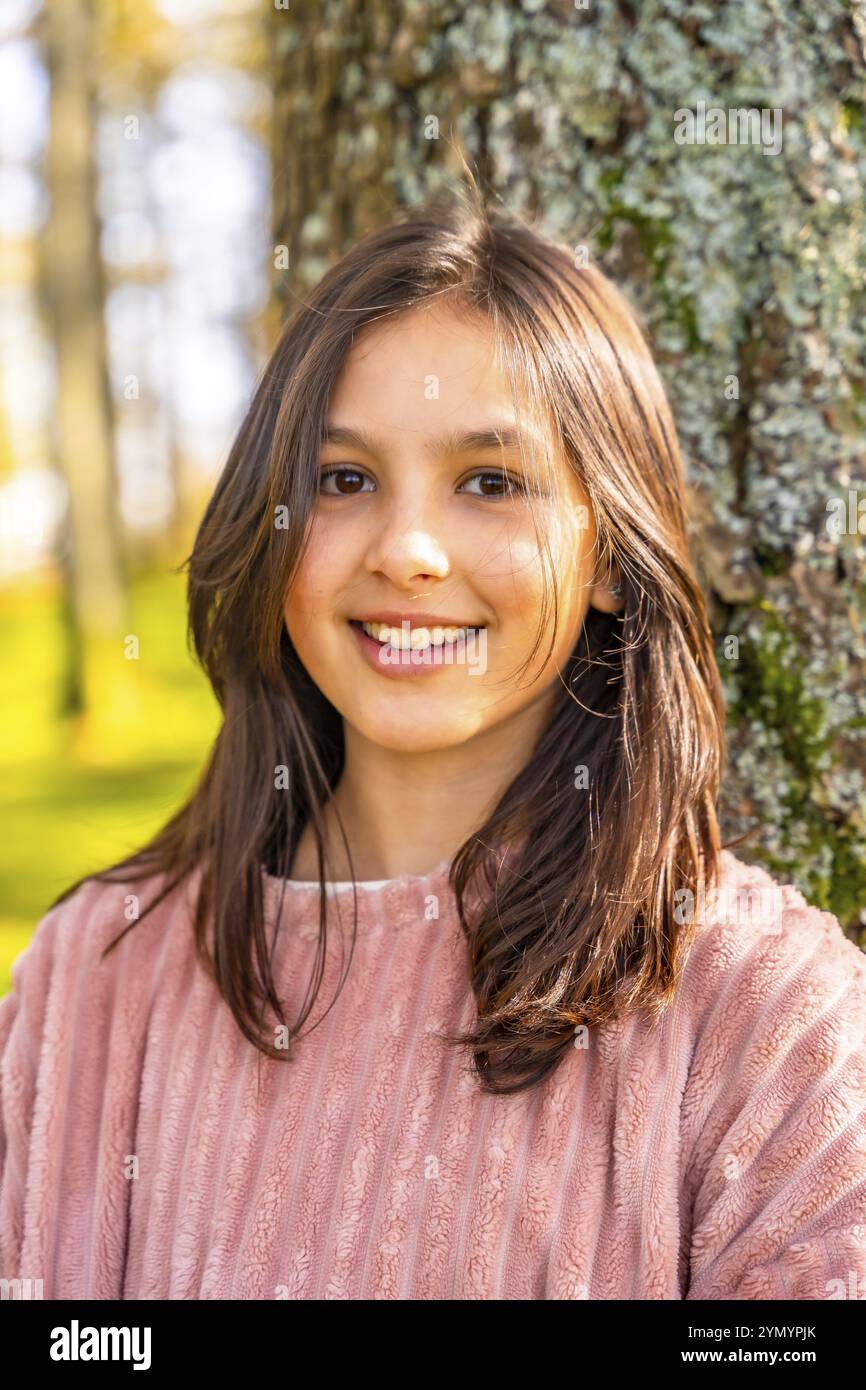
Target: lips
{"points": [[391, 618], [407, 664]]}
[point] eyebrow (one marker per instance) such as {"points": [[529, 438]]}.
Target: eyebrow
{"points": [[470, 441]]}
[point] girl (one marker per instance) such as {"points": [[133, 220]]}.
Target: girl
{"points": [[558, 1043]]}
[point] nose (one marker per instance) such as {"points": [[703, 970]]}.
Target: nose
{"points": [[408, 544], [407, 555]]}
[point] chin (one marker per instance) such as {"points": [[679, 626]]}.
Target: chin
{"points": [[415, 733]]}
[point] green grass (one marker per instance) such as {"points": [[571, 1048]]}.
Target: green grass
{"points": [[77, 794]]}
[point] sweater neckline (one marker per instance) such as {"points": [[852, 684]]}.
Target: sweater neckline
{"points": [[407, 881]]}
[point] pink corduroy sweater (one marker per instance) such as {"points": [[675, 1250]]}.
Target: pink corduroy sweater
{"points": [[721, 1155]]}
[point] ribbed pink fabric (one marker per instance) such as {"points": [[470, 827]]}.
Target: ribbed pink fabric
{"points": [[721, 1155]]}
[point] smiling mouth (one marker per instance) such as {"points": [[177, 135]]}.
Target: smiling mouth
{"points": [[416, 638]]}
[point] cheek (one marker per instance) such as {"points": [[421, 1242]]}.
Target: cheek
{"points": [[521, 568], [516, 566], [315, 581], [299, 599]]}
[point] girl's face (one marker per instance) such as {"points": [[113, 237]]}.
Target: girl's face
{"points": [[414, 519]]}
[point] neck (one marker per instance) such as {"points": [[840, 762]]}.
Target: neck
{"points": [[404, 813]]}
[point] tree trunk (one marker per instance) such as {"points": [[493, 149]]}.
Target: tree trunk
{"points": [[73, 289], [746, 263]]}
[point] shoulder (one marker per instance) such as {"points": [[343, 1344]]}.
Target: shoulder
{"points": [[761, 946], [772, 1010], [771, 1115], [66, 957]]}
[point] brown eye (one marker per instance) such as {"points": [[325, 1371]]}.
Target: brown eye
{"points": [[503, 485], [348, 481]]}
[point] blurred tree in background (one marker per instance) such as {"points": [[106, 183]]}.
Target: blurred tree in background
{"points": [[747, 262], [73, 290], [135, 275]]}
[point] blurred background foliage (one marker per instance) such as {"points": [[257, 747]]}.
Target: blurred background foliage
{"points": [[136, 264], [174, 173], [78, 792]]}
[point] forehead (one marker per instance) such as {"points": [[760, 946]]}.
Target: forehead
{"points": [[403, 352], [432, 372]]}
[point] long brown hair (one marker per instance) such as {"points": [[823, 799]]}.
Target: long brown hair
{"points": [[585, 897]]}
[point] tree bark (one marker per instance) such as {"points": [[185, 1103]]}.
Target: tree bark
{"points": [[746, 265]]}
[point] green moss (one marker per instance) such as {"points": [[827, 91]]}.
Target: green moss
{"points": [[770, 691], [773, 691], [772, 562], [611, 178], [657, 241], [655, 236], [839, 888]]}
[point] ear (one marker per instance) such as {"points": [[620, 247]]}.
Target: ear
{"points": [[608, 596]]}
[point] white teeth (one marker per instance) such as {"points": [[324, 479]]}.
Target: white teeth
{"points": [[417, 638]]}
